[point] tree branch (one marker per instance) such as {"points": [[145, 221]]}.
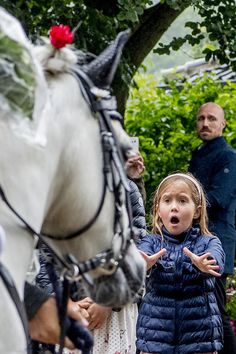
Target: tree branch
{"points": [[109, 8], [153, 24]]}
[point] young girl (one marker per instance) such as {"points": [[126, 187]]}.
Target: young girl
{"points": [[179, 313]]}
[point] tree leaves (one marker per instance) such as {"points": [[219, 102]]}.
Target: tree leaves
{"points": [[102, 20], [218, 22], [164, 121]]}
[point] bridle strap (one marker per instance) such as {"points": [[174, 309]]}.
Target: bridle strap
{"points": [[55, 237], [105, 109], [84, 228], [70, 262], [111, 154], [30, 229], [11, 288], [107, 133]]}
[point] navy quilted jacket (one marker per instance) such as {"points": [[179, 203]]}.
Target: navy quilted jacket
{"points": [[179, 313], [214, 165], [138, 210]]}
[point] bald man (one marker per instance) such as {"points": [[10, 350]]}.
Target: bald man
{"points": [[210, 121], [213, 163]]}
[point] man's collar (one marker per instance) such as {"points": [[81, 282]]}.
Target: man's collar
{"points": [[211, 144]]}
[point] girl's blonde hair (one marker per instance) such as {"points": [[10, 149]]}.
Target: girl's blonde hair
{"points": [[197, 194]]}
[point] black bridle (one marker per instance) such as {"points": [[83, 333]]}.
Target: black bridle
{"points": [[105, 109], [103, 104]]}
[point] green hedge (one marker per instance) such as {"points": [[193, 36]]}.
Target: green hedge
{"points": [[165, 122]]}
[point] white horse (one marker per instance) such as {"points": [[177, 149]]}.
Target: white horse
{"points": [[52, 178]]}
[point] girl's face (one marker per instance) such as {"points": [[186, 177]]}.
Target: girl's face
{"points": [[176, 208]]}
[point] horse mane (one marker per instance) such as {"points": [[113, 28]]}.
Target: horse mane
{"points": [[54, 60], [61, 60]]}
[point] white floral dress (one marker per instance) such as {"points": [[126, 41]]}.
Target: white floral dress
{"points": [[118, 334]]}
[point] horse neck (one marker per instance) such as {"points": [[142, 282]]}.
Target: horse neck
{"points": [[79, 184], [17, 252], [27, 171]]}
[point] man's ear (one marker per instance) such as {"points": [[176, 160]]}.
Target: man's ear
{"points": [[197, 212]]}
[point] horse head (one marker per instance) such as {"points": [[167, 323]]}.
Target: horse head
{"points": [[94, 227], [74, 162]]}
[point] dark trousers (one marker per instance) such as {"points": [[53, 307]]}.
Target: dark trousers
{"points": [[229, 336]]}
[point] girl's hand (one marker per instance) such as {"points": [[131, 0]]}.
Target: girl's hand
{"points": [[204, 264], [98, 315], [75, 309], [151, 260], [85, 303]]}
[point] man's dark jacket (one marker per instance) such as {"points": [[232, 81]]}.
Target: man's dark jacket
{"points": [[214, 165]]}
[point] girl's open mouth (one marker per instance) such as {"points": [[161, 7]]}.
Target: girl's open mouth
{"points": [[174, 220]]}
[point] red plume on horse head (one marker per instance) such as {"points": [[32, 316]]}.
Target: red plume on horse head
{"points": [[60, 36]]}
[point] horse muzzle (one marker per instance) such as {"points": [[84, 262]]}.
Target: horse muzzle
{"points": [[121, 287]]}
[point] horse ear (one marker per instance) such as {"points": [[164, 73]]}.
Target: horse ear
{"points": [[102, 69]]}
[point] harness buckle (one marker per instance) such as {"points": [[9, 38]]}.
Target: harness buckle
{"points": [[108, 140], [108, 268], [72, 273]]}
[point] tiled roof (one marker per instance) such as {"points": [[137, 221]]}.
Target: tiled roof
{"points": [[192, 70]]}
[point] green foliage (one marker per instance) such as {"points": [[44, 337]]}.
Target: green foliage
{"points": [[97, 29], [231, 296], [231, 307], [101, 21], [130, 10], [217, 24], [40, 16], [164, 121]]}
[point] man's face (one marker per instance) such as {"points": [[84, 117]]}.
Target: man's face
{"points": [[210, 122]]}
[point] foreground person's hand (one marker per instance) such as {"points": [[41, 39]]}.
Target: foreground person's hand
{"points": [[44, 326], [134, 166]]}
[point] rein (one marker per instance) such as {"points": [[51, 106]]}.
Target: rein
{"points": [[11, 288]]}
